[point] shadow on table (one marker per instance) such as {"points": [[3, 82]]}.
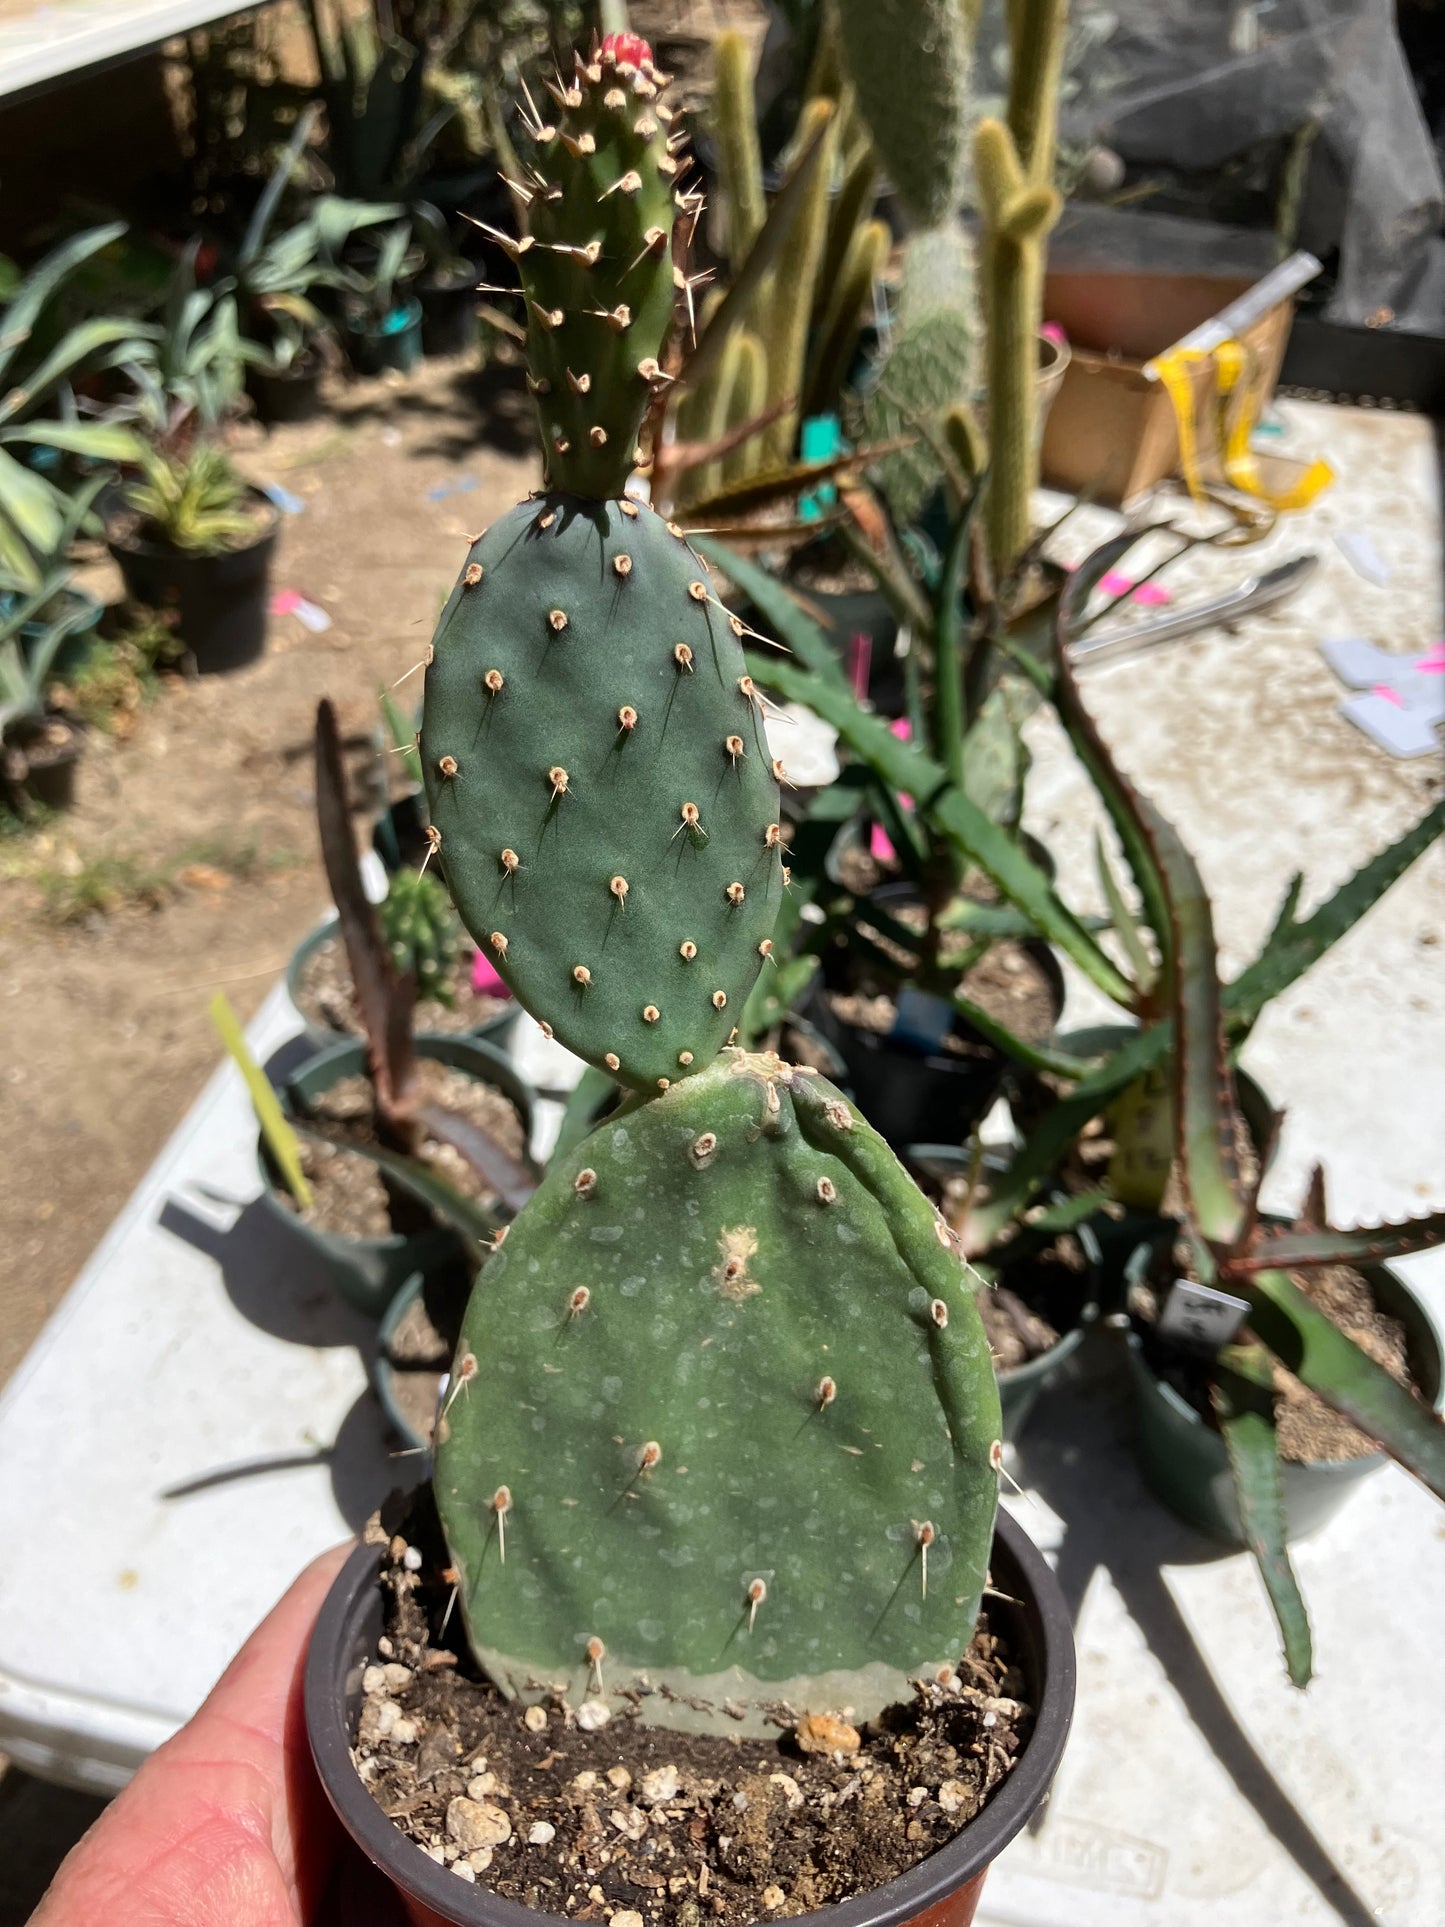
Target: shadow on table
{"points": [[278, 1285], [1079, 1459]]}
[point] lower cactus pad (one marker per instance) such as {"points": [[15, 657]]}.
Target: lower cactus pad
{"points": [[724, 1416]]}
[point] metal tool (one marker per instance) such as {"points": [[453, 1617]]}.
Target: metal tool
{"points": [[1258, 592]]}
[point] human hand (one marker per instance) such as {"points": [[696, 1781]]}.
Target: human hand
{"points": [[226, 1825]]}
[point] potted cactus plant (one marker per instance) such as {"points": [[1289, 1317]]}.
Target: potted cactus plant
{"points": [[669, 1505]]}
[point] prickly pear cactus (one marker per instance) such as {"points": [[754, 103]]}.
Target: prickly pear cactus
{"points": [[420, 930], [596, 266], [723, 1414], [599, 776]]}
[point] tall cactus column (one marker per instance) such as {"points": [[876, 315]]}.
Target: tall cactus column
{"points": [[1014, 166]]}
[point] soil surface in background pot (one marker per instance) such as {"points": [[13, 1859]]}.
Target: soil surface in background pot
{"points": [[673, 1827], [325, 996], [1006, 982], [831, 570], [348, 1193], [1309, 1430], [421, 1348], [1036, 1298]]}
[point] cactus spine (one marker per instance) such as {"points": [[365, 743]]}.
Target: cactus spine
{"points": [[1013, 166]]}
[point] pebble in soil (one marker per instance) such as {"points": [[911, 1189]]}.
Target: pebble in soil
{"points": [[584, 1810], [349, 1195]]}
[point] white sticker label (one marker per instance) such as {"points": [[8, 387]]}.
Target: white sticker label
{"points": [[1200, 1317]]}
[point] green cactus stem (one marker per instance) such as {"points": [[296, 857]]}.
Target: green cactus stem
{"points": [[740, 164], [419, 929], [724, 1416], [789, 305], [910, 63], [600, 784], [596, 267], [746, 401]]}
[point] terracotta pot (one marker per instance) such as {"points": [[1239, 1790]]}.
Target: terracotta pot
{"points": [[941, 1891]]}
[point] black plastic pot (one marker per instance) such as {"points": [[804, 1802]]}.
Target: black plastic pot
{"points": [[912, 1096], [846, 615], [46, 770], [449, 312], [1020, 1388], [399, 838], [286, 395], [395, 344], [220, 601], [941, 1891], [368, 1272]]}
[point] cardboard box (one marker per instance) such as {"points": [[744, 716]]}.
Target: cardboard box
{"points": [[1110, 433]]}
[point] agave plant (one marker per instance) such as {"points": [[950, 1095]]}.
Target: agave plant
{"points": [[27, 658], [275, 275], [37, 409], [192, 498]]}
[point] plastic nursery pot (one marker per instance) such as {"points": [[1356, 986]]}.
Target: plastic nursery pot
{"points": [[368, 1272], [399, 838], [1120, 1237], [1184, 1459], [449, 311], [45, 763], [861, 627], [913, 1096], [941, 1891], [286, 395], [384, 1373], [220, 601], [321, 1037], [1019, 1388], [394, 343]]}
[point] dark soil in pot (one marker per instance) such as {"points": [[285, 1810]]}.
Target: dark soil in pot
{"points": [[220, 602], [1310, 1431], [39, 766], [325, 997], [546, 1812], [349, 1194]]}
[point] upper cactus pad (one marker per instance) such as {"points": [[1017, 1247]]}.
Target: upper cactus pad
{"points": [[599, 775], [596, 265], [724, 1414]]}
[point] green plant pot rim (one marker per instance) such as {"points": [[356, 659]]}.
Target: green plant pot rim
{"points": [[1424, 1349], [383, 1372], [488, 1065]]}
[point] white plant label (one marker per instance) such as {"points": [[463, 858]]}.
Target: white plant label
{"points": [[1200, 1317]]}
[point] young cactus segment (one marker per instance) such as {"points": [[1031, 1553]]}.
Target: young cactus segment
{"points": [[781, 1378], [602, 787], [419, 928], [596, 266]]}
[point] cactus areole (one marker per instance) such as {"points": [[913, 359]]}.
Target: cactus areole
{"points": [[732, 1381], [597, 769]]}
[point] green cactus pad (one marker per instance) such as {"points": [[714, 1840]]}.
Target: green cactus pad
{"points": [[724, 1369], [596, 267], [599, 776]]}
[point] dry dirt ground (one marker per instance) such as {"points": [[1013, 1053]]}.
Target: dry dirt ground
{"points": [[104, 1037]]}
